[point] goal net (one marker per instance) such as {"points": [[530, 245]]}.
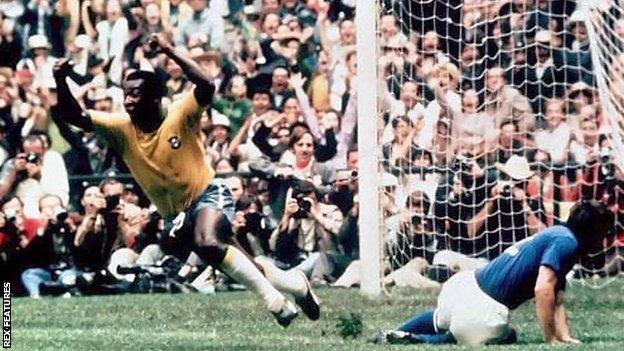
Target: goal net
{"points": [[496, 117]]}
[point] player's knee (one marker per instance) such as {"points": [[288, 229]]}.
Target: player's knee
{"points": [[206, 238], [211, 251]]}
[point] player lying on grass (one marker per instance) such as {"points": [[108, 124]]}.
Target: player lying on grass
{"points": [[165, 155], [473, 306]]}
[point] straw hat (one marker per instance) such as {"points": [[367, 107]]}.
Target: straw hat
{"points": [[198, 54]]}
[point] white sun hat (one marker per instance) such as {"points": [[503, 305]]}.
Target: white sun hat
{"points": [[517, 167]]}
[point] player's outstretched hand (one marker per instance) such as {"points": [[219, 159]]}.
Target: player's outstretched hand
{"points": [[62, 68], [159, 42]]}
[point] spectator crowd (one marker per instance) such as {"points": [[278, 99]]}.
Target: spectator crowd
{"points": [[491, 125], [493, 128]]}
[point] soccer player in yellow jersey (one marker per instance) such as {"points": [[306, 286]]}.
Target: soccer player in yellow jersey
{"points": [[166, 157]]}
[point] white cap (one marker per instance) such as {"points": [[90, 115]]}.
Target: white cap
{"points": [[219, 119], [543, 36], [388, 179], [577, 16], [82, 41], [517, 167], [38, 41]]}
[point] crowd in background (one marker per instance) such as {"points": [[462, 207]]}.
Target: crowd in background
{"points": [[491, 125], [280, 131]]}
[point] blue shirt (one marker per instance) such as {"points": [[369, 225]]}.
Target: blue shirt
{"points": [[510, 278]]}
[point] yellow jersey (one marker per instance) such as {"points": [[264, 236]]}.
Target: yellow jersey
{"points": [[168, 163]]}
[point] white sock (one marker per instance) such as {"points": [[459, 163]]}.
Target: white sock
{"points": [[238, 267], [291, 281]]}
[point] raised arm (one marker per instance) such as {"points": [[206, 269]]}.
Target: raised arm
{"points": [[204, 89], [73, 7], [349, 120], [86, 21], [297, 81], [322, 24], [67, 105]]}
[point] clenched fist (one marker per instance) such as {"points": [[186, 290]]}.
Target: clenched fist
{"points": [[62, 68]]}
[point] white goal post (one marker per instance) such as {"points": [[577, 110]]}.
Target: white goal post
{"points": [[368, 148]]}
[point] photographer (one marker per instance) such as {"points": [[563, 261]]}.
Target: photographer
{"points": [[303, 167], [307, 229], [411, 231], [461, 196], [599, 173], [91, 233], [34, 171], [411, 242], [50, 255], [250, 227], [114, 232], [586, 150], [508, 215], [344, 190], [15, 233]]}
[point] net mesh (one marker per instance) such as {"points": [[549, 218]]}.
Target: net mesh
{"points": [[497, 117]]}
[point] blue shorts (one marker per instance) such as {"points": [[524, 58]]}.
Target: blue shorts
{"points": [[217, 196]]}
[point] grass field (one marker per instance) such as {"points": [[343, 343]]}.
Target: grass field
{"points": [[237, 321]]}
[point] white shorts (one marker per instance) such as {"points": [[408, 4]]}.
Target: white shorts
{"points": [[473, 317]]}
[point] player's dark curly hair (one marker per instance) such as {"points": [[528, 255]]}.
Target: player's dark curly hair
{"points": [[591, 221], [153, 87]]}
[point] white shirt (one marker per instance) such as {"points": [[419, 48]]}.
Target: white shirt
{"points": [[555, 142], [54, 178], [432, 115], [540, 68], [112, 39], [397, 108], [205, 22], [579, 151]]}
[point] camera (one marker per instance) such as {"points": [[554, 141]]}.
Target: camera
{"points": [[420, 219], [607, 169], [604, 155], [32, 157], [304, 206], [111, 202], [416, 220], [506, 187], [540, 167], [463, 163], [60, 214], [254, 221], [10, 214]]}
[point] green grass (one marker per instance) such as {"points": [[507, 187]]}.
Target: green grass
{"points": [[237, 321]]}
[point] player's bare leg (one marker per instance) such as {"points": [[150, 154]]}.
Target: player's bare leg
{"points": [[234, 263]]}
